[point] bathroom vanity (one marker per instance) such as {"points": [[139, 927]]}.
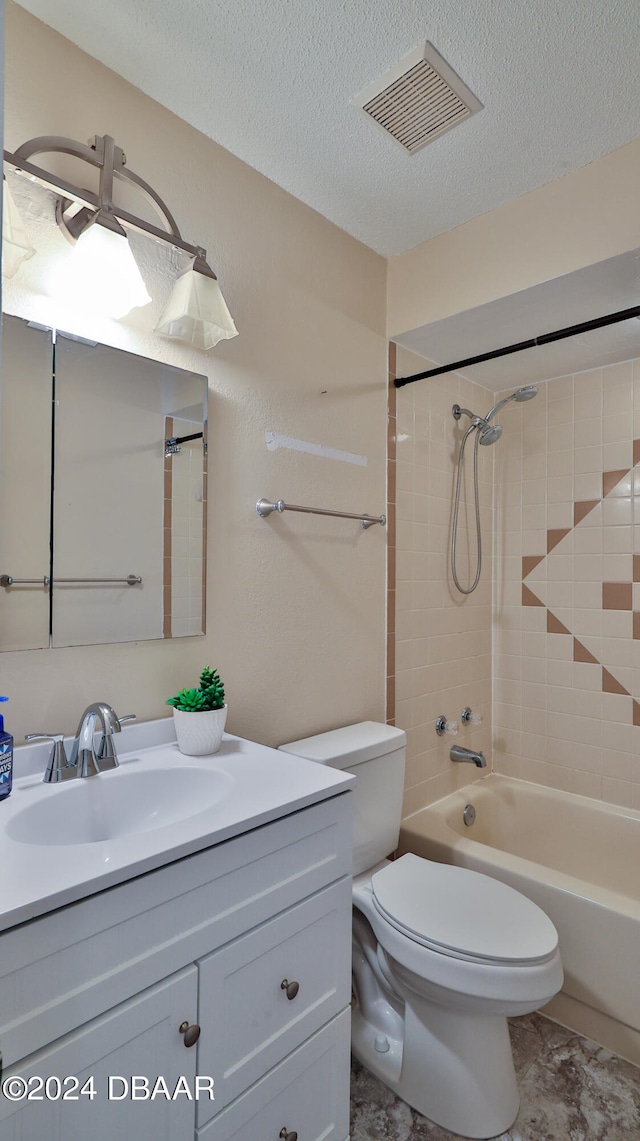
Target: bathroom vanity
{"points": [[212, 946]]}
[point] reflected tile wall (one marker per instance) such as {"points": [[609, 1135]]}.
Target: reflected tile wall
{"points": [[187, 506]]}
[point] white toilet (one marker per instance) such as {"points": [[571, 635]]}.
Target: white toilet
{"points": [[442, 956]]}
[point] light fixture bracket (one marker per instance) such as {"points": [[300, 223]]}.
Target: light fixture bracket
{"points": [[111, 163]]}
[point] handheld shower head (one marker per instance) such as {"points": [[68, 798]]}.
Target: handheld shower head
{"points": [[526, 393]]}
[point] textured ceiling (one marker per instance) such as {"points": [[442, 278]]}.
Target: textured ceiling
{"points": [[272, 80]]}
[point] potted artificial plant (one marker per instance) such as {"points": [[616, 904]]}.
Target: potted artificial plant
{"points": [[199, 715]]}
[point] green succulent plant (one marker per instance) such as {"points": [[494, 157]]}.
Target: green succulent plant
{"points": [[210, 695]]}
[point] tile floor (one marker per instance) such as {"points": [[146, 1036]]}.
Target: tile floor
{"points": [[571, 1090]]}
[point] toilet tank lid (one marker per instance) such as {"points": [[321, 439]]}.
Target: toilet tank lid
{"points": [[351, 745]]}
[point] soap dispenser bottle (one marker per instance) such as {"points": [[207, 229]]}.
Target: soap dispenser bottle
{"points": [[6, 759]]}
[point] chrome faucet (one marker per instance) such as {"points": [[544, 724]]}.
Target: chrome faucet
{"points": [[459, 754], [84, 760], [87, 761], [58, 767]]}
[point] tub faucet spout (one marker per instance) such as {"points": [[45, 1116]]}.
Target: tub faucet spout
{"points": [[459, 754]]}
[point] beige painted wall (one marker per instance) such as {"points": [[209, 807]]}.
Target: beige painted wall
{"points": [[295, 603], [589, 215]]}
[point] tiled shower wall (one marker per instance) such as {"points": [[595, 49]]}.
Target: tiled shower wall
{"points": [[567, 601], [443, 639]]}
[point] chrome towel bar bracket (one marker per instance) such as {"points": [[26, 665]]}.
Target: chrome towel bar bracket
{"points": [[264, 507]]}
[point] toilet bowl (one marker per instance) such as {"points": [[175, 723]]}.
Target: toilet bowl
{"points": [[457, 954], [442, 956]]}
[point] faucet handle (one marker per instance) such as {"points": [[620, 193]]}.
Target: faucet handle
{"points": [[106, 751], [443, 726], [58, 767], [468, 717]]}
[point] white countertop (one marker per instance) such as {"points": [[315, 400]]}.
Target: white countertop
{"points": [[259, 785]]}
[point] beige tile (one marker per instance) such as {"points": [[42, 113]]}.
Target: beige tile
{"points": [[587, 433], [587, 460], [588, 540], [617, 792], [560, 463], [617, 511], [617, 455], [587, 784]]}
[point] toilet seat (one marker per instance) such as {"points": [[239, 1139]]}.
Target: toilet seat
{"points": [[467, 915]]}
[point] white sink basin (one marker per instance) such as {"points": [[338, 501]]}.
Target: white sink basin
{"points": [[117, 804], [63, 842]]}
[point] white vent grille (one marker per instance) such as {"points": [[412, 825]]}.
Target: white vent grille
{"points": [[418, 99]]}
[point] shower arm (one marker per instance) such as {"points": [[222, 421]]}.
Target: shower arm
{"points": [[476, 420]]}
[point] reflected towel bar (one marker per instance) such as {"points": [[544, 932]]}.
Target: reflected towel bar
{"points": [[8, 580], [264, 508]]}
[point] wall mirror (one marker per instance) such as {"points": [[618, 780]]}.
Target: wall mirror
{"points": [[103, 491]]}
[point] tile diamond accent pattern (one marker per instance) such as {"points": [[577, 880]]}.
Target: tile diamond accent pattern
{"points": [[582, 654], [611, 685], [556, 536], [610, 479], [555, 626], [580, 509], [617, 597]]}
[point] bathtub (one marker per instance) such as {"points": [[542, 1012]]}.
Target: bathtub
{"points": [[579, 860]]}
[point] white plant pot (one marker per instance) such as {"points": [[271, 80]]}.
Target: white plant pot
{"points": [[199, 733]]}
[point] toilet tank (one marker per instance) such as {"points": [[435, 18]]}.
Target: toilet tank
{"points": [[375, 754]]}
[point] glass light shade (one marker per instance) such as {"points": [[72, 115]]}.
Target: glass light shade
{"points": [[100, 275], [197, 312], [16, 246]]}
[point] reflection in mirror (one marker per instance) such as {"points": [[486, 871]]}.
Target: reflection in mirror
{"points": [[122, 509], [25, 484], [119, 498]]}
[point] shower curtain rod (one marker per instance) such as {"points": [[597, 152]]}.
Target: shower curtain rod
{"points": [[544, 339]]}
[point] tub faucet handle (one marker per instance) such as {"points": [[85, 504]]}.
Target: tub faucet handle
{"points": [[468, 717], [443, 726]]}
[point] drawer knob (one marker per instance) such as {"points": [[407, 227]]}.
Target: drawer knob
{"points": [[292, 989], [286, 1136], [191, 1033]]}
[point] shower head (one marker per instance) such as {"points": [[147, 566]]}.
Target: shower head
{"points": [[490, 434], [520, 395], [526, 393]]}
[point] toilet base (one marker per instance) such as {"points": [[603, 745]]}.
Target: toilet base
{"points": [[455, 1068]]}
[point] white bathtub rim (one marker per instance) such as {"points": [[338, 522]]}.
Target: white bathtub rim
{"points": [[532, 870]]}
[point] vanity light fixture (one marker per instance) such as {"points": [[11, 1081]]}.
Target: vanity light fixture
{"points": [[196, 313], [101, 275]]}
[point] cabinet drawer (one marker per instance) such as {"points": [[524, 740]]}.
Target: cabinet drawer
{"points": [[254, 1025], [71, 965], [307, 1093], [140, 1037]]}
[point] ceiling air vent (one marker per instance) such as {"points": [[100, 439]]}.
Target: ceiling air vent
{"points": [[417, 99]]}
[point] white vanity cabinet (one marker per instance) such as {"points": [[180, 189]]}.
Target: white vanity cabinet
{"points": [[137, 1038], [103, 986]]}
